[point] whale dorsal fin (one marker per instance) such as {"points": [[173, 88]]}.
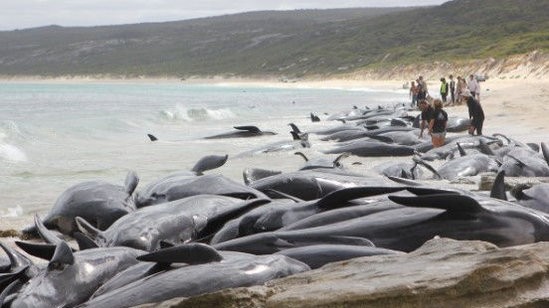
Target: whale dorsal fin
{"points": [[61, 257], [209, 162], [131, 181], [444, 201], [339, 198], [295, 128], [461, 150], [152, 137], [498, 188], [249, 128], [545, 151]]}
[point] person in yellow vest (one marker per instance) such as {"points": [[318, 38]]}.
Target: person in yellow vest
{"points": [[443, 89]]}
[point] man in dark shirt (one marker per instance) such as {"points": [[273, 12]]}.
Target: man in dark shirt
{"points": [[476, 114], [426, 115]]}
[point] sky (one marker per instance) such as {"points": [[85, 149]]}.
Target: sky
{"points": [[21, 14]]}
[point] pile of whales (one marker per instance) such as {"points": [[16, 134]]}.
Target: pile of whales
{"points": [[191, 232]]}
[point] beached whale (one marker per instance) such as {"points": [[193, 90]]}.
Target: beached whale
{"points": [[178, 221], [368, 148], [523, 161], [316, 256], [463, 166], [424, 217], [71, 278], [98, 202], [536, 197], [187, 254], [315, 183], [234, 270], [180, 185], [242, 132], [299, 141], [275, 215]]}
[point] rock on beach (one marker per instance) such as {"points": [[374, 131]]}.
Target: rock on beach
{"points": [[441, 273]]}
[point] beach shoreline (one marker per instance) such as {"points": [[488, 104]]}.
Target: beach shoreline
{"points": [[515, 107]]}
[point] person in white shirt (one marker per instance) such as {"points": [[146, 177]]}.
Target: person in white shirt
{"points": [[473, 87]]}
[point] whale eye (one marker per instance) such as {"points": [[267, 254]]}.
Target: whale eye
{"points": [[56, 266]]}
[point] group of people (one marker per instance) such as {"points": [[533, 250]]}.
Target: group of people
{"points": [[418, 90], [435, 119]]}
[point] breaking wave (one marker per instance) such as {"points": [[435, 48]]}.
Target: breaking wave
{"points": [[180, 113]]}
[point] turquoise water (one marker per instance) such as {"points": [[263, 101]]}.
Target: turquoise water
{"points": [[54, 135]]}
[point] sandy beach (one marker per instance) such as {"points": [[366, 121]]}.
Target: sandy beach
{"points": [[515, 107]]}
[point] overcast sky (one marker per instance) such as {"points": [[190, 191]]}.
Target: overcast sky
{"points": [[20, 14]]}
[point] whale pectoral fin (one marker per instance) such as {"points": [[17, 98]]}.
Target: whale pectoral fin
{"points": [[17, 259], [83, 241], [85, 227], [249, 128], [404, 181], [131, 181], [44, 233], [445, 201], [195, 253], [42, 251], [302, 155], [339, 198]]}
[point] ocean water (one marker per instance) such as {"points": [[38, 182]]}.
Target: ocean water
{"points": [[55, 135]]}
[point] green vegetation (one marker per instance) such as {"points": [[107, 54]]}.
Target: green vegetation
{"points": [[292, 43]]}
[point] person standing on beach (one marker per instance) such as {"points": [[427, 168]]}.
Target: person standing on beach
{"points": [[443, 89], [460, 89], [426, 115], [422, 88], [413, 94], [474, 87], [476, 113], [437, 124], [452, 89]]}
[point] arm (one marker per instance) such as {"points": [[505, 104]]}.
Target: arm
{"points": [[422, 126], [431, 124]]}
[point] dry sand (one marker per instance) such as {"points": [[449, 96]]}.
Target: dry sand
{"points": [[517, 108]]}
